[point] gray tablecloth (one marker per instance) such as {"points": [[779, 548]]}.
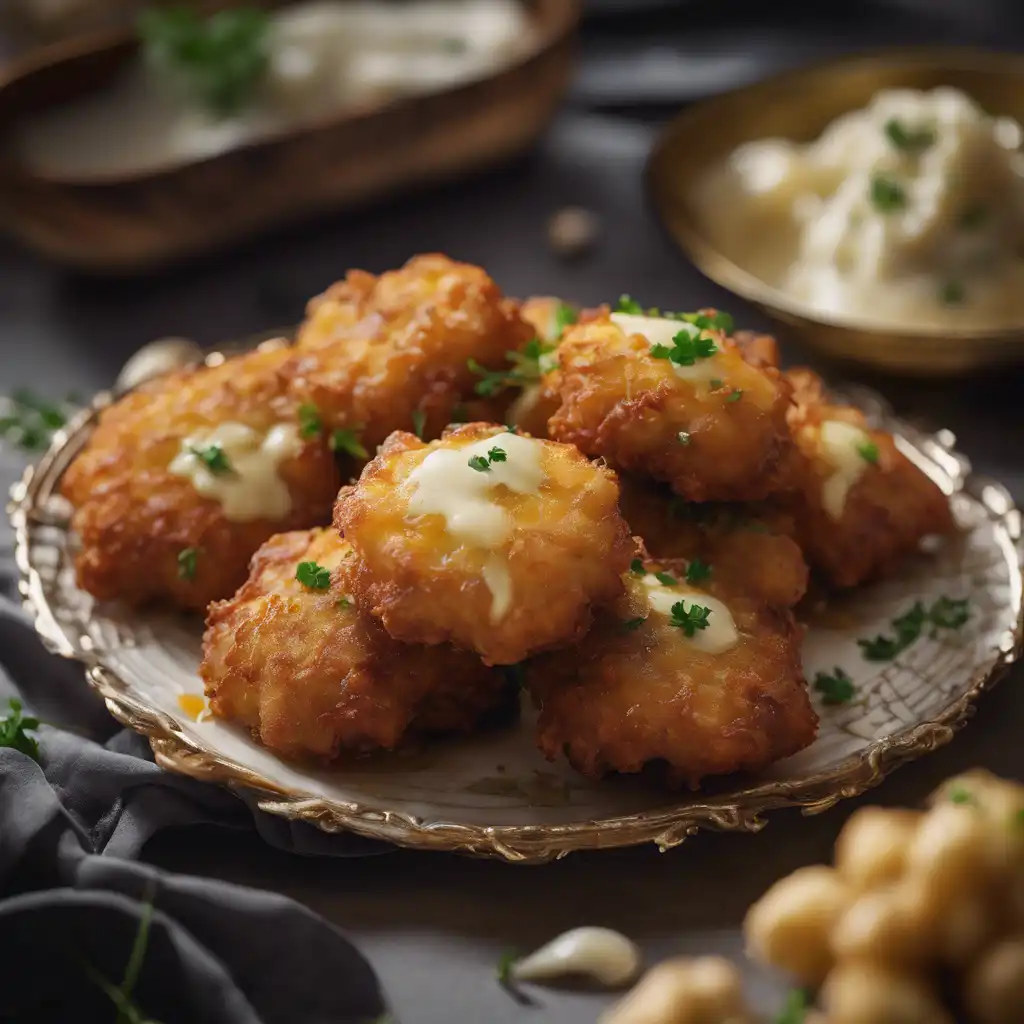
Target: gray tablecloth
{"points": [[72, 898]]}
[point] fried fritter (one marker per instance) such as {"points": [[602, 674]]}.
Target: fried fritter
{"points": [[311, 676], [861, 503], [377, 354], [146, 532], [694, 678], [751, 545], [491, 540], [663, 398]]}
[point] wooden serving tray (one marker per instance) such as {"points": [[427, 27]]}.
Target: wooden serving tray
{"points": [[133, 222]]}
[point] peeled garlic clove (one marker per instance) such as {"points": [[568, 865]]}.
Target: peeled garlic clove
{"points": [[601, 954]]}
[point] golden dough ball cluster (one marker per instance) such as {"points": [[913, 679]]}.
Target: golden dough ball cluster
{"points": [[921, 917]]}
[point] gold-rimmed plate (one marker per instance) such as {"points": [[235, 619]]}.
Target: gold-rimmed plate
{"points": [[798, 105], [493, 794]]}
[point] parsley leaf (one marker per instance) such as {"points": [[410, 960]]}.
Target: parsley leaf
{"points": [[497, 455], [419, 421], [794, 1010], [868, 451], [346, 439], [961, 795], [837, 688], [686, 348], [683, 437], [636, 567], [666, 579], [715, 383], [536, 359], [948, 613], [909, 140], [945, 613], [887, 195], [479, 463], [492, 382], [735, 395], [630, 625], [565, 316], [689, 620], [15, 729], [313, 575], [310, 423], [187, 563], [214, 458], [504, 969], [627, 304], [219, 61], [697, 571], [951, 293]]}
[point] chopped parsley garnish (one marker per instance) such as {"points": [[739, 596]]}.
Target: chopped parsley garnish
{"points": [[213, 457], [697, 571], [735, 395], [15, 729], [313, 575], [482, 463], [220, 60], [794, 1010], [666, 579], [951, 293], [716, 321], [627, 304], [346, 439], [716, 383], [868, 451], [310, 423], [491, 381], [961, 795], [29, 421], [887, 195], [419, 421], [528, 366], [636, 567], [565, 316], [504, 968], [689, 620], [187, 563], [836, 688], [909, 140], [945, 613], [686, 348], [949, 613], [631, 625], [973, 217], [683, 437]]}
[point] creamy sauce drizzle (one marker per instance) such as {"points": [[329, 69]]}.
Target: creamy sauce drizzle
{"points": [[721, 632], [661, 331], [324, 58], [606, 956], [252, 488], [839, 444], [445, 484]]}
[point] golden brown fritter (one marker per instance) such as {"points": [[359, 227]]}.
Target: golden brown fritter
{"points": [[311, 676], [491, 540], [377, 354], [861, 503], [752, 545], [146, 533], [639, 691], [714, 429]]}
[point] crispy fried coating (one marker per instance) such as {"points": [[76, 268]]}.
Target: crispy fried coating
{"points": [[311, 676], [505, 556], [887, 509], [750, 545], [638, 692], [135, 518], [377, 354], [714, 430]]}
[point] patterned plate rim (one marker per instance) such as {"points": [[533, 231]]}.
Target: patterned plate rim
{"points": [[176, 751]]}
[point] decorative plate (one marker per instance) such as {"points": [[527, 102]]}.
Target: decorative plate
{"points": [[494, 794]]}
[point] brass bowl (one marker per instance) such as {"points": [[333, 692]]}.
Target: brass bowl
{"points": [[799, 105]]}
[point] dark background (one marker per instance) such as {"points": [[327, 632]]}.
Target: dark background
{"points": [[434, 926]]}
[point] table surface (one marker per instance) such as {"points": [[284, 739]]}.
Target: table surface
{"points": [[434, 926]]}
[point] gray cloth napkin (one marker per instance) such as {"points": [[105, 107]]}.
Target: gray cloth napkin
{"points": [[71, 900]]}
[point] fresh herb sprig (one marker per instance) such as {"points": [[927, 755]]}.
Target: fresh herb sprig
{"points": [[29, 421], [527, 367], [837, 688], [313, 575], [909, 140], [794, 1010], [565, 316], [697, 572], [887, 195], [188, 559], [310, 421], [218, 61], [686, 348], [691, 619], [944, 613], [15, 729], [482, 463], [213, 457], [712, 321], [346, 439]]}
